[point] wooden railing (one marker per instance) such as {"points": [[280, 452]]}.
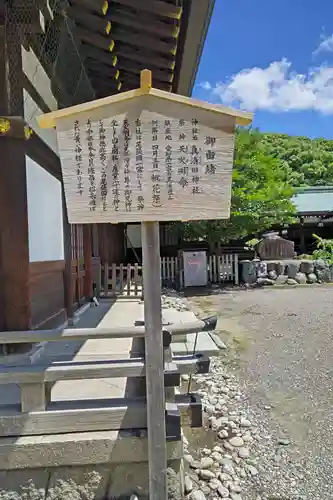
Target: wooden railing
{"points": [[37, 414]]}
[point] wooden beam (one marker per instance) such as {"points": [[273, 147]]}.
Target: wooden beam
{"points": [[135, 68], [31, 374], [89, 20], [15, 127], [99, 333], [42, 154], [143, 22], [97, 6], [82, 416], [102, 69], [141, 40], [157, 7], [99, 55], [148, 59], [106, 87], [87, 254], [103, 42]]}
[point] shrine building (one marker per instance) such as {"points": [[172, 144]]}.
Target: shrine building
{"points": [[55, 54]]}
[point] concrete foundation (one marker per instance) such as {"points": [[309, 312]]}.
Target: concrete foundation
{"points": [[98, 482]]}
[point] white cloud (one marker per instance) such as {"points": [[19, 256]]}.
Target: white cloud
{"points": [[205, 85], [277, 88], [326, 45]]}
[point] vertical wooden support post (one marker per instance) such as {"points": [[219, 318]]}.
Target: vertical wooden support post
{"points": [[106, 279], [94, 236], [157, 451], [87, 254], [68, 281], [15, 313], [154, 359], [33, 397]]}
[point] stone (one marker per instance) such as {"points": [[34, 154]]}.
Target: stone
{"points": [[311, 278], [214, 484], [292, 268], [228, 446], [244, 422], [188, 458], [247, 438], [188, 484], [195, 464], [236, 441], [291, 281], [281, 279], [270, 266], [223, 491], [235, 488], [243, 452], [284, 441], [235, 496], [209, 409], [217, 449], [228, 468], [205, 489], [265, 282], [242, 474], [300, 278], [225, 477], [248, 271], [272, 274], [306, 266], [252, 470], [322, 271], [217, 457], [262, 269], [197, 495], [224, 389], [279, 267], [223, 434], [206, 474], [206, 462]]}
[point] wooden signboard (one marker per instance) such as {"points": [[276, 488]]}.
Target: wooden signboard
{"points": [[147, 156], [145, 166]]}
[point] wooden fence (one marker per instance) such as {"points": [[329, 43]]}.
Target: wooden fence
{"points": [[125, 280], [38, 414], [223, 268]]}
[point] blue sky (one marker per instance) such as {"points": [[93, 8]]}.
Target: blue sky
{"points": [[275, 59]]}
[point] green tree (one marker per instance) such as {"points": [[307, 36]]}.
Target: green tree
{"points": [[261, 197], [306, 162]]}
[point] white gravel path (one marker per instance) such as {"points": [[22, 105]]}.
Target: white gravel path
{"points": [[280, 353]]}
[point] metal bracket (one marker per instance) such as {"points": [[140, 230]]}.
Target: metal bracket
{"points": [[172, 422], [203, 364]]}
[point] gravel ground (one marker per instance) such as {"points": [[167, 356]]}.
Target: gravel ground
{"points": [[280, 352]]}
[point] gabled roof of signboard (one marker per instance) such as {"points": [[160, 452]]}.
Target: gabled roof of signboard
{"points": [[49, 119]]}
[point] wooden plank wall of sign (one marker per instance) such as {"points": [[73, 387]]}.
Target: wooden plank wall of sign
{"points": [[149, 165]]}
